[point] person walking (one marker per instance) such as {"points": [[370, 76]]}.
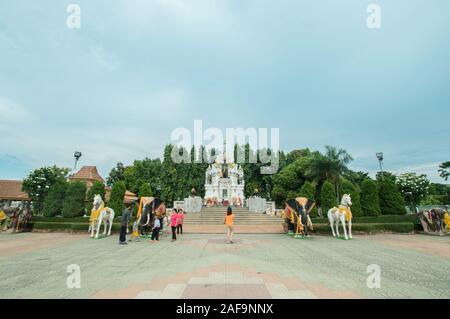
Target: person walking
{"points": [[180, 220], [173, 223], [124, 225], [155, 230], [229, 222]]}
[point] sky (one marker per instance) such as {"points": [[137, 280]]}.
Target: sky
{"points": [[135, 71]]}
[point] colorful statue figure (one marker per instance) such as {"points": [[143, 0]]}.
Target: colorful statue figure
{"points": [[447, 221], [297, 216], [100, 214], [4, 220], [149, 209], [433, 220], [14, 218], [342, 214]]}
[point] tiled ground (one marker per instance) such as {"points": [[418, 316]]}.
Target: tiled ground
{"points": [[204, 266]]}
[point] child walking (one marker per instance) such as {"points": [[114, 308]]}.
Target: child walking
{"points": [[135, 233], [229, 222], [173, 223], [155, 230]]}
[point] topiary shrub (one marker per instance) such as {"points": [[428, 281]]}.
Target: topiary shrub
{"points": [[370, 202], [117, 195], [327, 197], [307, 190], [53, 203], [74, 200], [145, 190], [391, 200]]}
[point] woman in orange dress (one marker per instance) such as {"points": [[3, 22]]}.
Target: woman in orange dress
{"points": [[229, 222]]}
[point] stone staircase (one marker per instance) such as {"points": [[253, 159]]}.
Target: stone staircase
{"points": [[211, 220]]}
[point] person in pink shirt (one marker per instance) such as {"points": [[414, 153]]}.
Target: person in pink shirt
{"points": [[174, 223], [180, 221]]}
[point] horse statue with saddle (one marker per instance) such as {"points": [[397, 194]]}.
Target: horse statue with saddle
{"points": [[434, 220], [341, 214], [15, 218], [100, 214], [297, 217]]}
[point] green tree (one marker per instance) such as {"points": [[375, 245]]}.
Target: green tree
{"points": [[391, 200], [444, 170], [117, 196], [327, 197], [116, 174], [370, 202], [74, 201], [38, 183], [308, 191], [287, 182], [97, 189], [54, 200], [145, 190], [414, 188], [330, 166], [348, 187]]}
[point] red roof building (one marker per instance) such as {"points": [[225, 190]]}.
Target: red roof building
{"points": [[89, 174]]}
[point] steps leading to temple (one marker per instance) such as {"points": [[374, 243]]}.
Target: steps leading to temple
{"points": [[244, 220]]}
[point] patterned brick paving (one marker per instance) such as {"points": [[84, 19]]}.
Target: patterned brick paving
{"points": [[204, 266]]}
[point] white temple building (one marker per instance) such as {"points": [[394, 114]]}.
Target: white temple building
{"points": [[224, 183]]}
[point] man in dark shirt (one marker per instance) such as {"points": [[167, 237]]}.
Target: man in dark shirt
{"points": [[124, 225]]}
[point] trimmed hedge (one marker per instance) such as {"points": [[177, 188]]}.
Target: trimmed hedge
{"points": [[42, 219], [376, 219], [369, 228], [68, 226]]}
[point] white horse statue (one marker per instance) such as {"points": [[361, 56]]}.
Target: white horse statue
{"points": [[100, 214], [342, 214]]}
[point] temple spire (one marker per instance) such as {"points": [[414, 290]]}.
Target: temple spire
{"points": [[224, 150]]}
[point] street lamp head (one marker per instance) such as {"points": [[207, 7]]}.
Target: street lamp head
{"points": [[380, 156], [77, 155]]}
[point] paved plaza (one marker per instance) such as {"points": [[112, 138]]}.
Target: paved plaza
{"points": [[34, 265]]}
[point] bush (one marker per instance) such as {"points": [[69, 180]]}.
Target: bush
{"points": [[391, 200], [97, 188], [327, 197], [370, 202], [77, 220], [307, 190], [376, 219], [74, 201], [117, 196], [145, 190], [54, 201], [347, 187], [79, 227], [369, 228]]}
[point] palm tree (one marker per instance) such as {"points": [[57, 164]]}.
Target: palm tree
{"points": [[444, 170], [329, 166]]}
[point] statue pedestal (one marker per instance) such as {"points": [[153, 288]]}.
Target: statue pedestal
{"points": [[193, 204], [257, 205]]}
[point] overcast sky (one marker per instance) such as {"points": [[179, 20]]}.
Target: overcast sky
{"points": [[117, 87]]}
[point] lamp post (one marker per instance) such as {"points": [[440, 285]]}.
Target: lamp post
{"points": [[380, 160], [77, 156]]}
